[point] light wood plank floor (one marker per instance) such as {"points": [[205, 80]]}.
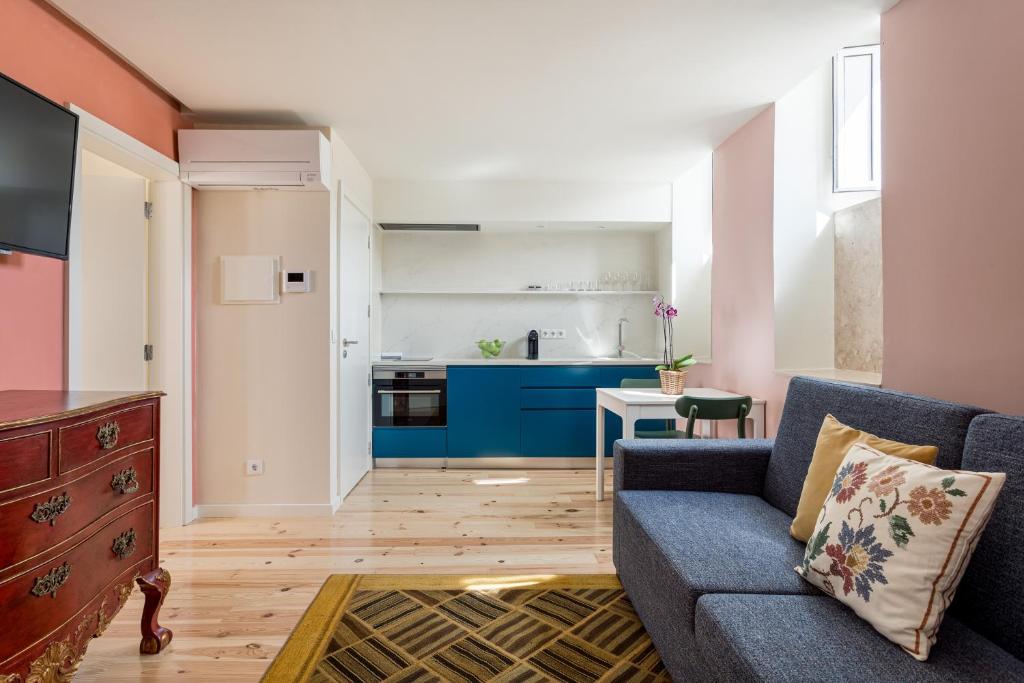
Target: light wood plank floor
{"points": [[240, 585]]}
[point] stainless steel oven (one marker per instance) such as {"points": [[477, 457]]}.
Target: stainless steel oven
{"points": [[410, 396]]}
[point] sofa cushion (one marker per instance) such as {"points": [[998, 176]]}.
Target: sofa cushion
{"points": [[887, 414], [834, 440], [893, 540], [671, 547], [991, 595], [814, 638]]}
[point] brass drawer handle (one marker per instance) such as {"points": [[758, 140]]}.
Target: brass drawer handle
{"points": [[125, 481], [124, 545], [51, 583], [51, 509], [107, 435]]}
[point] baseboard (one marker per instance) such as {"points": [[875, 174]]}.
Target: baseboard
{"points": [[511, 463], [264, 510]]}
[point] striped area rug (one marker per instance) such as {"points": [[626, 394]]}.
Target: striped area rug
{"points": [[514, 629]]}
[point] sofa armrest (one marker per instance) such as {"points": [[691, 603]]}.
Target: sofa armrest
{"points": [[718, 465]]}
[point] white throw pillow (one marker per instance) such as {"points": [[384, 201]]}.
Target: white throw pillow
{"points": [[894, 538]]}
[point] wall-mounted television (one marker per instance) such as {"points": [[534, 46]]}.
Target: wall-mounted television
{"points": [[37, 171]]}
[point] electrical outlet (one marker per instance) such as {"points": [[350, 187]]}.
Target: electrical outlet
{"points": [[547, 334], [253, 467], [559, 334]]}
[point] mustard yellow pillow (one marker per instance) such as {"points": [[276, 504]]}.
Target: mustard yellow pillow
{"points": [[834, 440]]}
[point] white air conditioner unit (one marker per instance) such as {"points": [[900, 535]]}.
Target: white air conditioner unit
{"points": [[212, 159]]}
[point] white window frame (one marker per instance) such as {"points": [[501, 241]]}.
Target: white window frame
{"points": [[838, 106]]}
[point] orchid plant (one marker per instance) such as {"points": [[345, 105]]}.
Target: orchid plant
{"points": [[667, 312]]}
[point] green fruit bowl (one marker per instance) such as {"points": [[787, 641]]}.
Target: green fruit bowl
{"points": [[490, 349]]}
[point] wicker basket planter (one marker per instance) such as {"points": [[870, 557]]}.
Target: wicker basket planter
{"points": [[672, 381]]}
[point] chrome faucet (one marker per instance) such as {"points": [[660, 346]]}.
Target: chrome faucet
{"points": [[621, 347]]}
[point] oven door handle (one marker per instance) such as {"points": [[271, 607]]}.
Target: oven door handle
{"points": [[408, 391]]}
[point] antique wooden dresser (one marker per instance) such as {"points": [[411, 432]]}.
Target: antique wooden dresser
{"points": [[79, 488]]}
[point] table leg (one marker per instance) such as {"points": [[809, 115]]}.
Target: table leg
{"points": [[757, 416], [599, 460], [629, 425]]}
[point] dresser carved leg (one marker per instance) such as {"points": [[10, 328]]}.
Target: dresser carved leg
{"points": [[154, 585]]}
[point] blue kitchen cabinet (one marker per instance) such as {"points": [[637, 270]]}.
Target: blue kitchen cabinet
{"points": [[557, 399], [484, 411], [410, 442], [561, 433], [553, 376], [558, 403]]}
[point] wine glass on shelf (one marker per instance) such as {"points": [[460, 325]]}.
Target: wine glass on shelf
{"points": [[634, 279]]}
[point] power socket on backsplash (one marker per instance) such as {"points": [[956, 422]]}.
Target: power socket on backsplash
{"points": [[552, 333]]}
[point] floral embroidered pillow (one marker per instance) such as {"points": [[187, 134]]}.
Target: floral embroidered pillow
{"points": [[894, 538]]}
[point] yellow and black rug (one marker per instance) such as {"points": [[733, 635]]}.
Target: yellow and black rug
{"points": [[515, 629]]}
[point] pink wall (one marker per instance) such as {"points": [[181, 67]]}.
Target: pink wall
{"points": [[43, 50], [742, 300], [953, 172]]}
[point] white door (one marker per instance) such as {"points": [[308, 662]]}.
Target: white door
{"points": [[353, 345], [106, 346]]}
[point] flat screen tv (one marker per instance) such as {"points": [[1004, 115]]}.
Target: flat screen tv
{"points": [[37, 171]]}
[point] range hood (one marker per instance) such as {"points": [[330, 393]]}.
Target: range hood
{"points": [[432, 227]]}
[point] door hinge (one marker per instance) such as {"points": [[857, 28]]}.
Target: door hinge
{"points": [[368, 379], [147, 210], [368, 242], [147, 352], [368, 310]]}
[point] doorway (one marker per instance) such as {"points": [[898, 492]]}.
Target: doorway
{"points": [[129, 285], [353, 345]]}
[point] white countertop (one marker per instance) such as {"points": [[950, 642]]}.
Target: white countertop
{"points": [[522, 361]]}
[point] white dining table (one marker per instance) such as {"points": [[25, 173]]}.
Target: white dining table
{"points": [[650, 404]]}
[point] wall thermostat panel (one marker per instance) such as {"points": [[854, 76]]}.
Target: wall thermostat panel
{"points": [[295, 281]]}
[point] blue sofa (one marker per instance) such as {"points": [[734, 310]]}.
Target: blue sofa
{"points": [[702, 547]]}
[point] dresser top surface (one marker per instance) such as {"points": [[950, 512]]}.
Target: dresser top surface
{"points": [[20, 407]]}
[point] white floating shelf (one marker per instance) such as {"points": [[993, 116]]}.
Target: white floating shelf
{"points": [[511, 292]]}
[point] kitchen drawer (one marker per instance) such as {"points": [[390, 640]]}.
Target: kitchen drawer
{"points": [[548, 399], [410, 442], [612, 376], [561, 376], [83, 442], [40, 521], [24, 457], [90, 567], [566, 433]]}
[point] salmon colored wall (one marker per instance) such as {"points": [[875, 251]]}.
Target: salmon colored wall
{"points": [[952, 172], [742, 299], [43, 50]]}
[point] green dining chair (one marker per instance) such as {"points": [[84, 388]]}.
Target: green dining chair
{"points": [[694, 408], [669, 431]]}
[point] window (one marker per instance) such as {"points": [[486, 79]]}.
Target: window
{"points": [[856, 131]]}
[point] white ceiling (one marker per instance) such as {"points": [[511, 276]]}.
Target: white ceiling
{"points": [[487, 89]]}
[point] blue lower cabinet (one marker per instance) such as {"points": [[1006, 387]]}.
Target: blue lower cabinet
{"points": [[549, 376], [565, 433], [410, 442], [612, 376], [557, 399], [484, 412]]}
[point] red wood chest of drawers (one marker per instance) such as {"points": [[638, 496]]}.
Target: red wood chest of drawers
{"points": [[79, 499]]}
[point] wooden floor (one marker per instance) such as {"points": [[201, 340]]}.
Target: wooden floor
{"points": [[239, 586]]}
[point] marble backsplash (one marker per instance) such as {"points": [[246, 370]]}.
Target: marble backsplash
{"points": [[448, 326]]}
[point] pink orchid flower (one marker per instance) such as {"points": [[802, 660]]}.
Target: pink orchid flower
{"points": [[671, 312]]}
